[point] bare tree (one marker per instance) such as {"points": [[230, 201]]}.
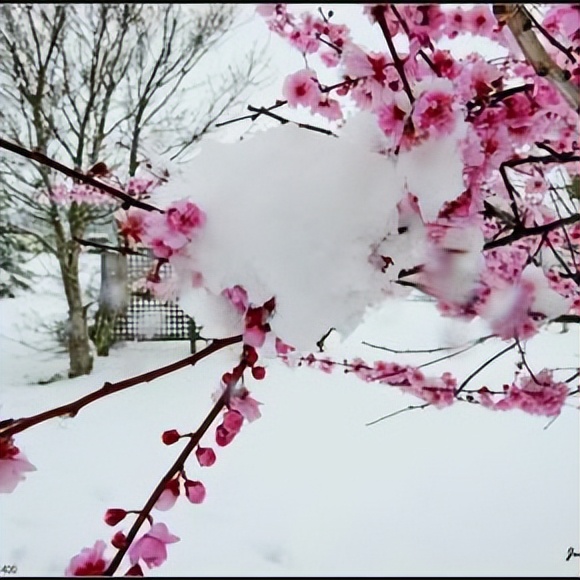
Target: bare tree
{"points": [[103, 83]]}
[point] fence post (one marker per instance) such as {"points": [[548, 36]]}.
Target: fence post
{"points": [[113, 300]]}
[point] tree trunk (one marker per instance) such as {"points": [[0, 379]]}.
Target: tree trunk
{"points": [[79, 348]]}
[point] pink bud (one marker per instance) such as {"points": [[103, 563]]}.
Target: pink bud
{"points": [[135, 570], [227, 379], [195, 491], [250, 355], [119, 540], [205, 456], [170, 437], [223, 437], [258, 373], [114, 515], [233, 421]]}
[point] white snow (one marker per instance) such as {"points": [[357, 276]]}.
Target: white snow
{"points": [[291, 214], [307, 489]]}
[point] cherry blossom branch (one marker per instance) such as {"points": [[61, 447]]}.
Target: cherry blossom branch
{"points": [[409, 408], [177, 466], [379, 15], [408, 32], [254, 116], [481, 367], [120, 249], [518, 20], [524, 232], [45, 160], [282, 120], [567, 51], [429, 350], [10, 427], [525, 362]]}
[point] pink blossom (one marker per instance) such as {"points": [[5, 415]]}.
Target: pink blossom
{"points": [[152, 546], [456, 22], [184, 217], [301, 88], [538, 396], [168, 496], [131, 224], [434, 112], [254, 336], [139, 186], [13, 465], [205, 456], [283, 348], [563, 19], [392, 120], [329, 108], [238, 297], [246, 405], [195, 491], [508, 311], [330, 58], [480, 20], [90, 561]]}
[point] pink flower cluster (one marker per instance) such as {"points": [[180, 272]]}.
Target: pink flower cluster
{"points": [[165, 233], [150, 548], [539, 395], [13, 465], [438, 391], [302, 88]]}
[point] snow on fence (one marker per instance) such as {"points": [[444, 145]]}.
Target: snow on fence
{"points": [[140, 316]]}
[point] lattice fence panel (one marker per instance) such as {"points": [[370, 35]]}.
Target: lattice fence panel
{"points": [[148, 318]]}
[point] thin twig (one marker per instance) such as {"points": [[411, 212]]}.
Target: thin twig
{"points": [[282, 120], [409, 408], [480, 368]]}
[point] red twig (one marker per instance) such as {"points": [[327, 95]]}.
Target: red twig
{"points": [[11, 427]]}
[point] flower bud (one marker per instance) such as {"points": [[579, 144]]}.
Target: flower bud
{"points": [[114, 515], [170, 437]]}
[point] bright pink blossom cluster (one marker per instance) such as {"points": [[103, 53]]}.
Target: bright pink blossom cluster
{"points": [[537, 395], [165, 233]]}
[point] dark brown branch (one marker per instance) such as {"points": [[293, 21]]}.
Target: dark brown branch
{"points": [[523, 232], [121, 249], [11, 427], [171, 473], [44, 160], [282, 120], [379, 15]]}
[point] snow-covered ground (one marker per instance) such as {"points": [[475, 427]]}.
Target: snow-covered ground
{"points": [[308, 489]]}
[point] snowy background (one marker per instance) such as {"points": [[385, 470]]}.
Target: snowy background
{"points": [[310, 488]]}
